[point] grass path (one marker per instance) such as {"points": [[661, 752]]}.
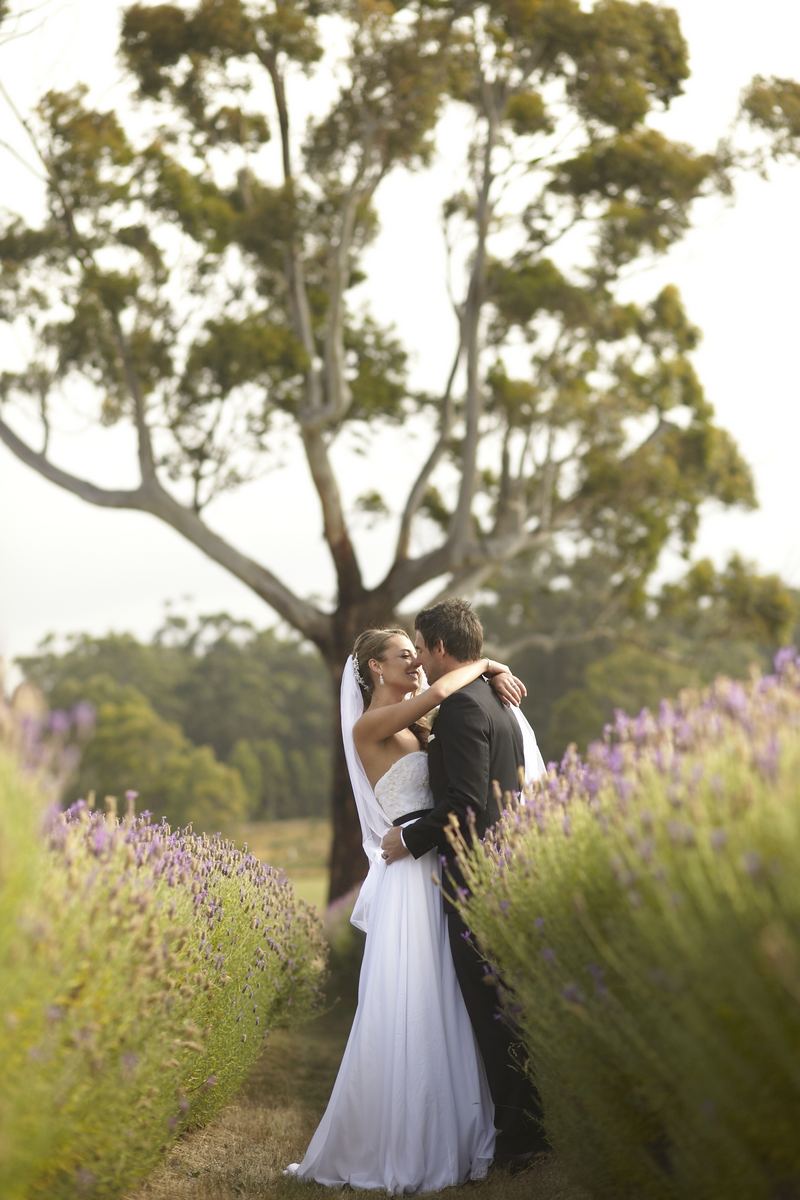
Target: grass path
{"points": [[240, 1155]]}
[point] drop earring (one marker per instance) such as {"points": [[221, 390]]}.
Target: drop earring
{"points": [[380, 678]]}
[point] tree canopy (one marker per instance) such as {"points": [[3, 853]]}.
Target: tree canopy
{"points": [[199, 277]]}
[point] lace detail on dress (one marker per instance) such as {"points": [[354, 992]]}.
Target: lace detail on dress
{"points": [[405, 787]]}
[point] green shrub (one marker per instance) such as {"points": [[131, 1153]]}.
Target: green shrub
{"points": [[140, 969], [643, 910]]}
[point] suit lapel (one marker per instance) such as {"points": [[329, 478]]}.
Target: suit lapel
{"points": [[436, 771]]}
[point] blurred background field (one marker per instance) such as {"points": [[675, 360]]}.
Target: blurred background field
{"points": [[299, 847]]}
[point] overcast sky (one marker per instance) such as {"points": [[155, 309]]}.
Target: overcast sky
{"points": [[65, 566]]}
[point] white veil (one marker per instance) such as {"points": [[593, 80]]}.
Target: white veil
{"points": [[374, 822], [534, 763]]}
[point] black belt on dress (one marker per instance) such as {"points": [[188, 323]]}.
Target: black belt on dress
{"points": [[412, 816]]}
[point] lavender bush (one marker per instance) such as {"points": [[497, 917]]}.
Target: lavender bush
{"points": [[643, 910], [140, 969]]}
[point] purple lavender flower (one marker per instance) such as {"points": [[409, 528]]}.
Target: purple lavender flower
{"points": [[752, 863], [58, 722], [718, 838], [787, 657], [84, 717]]}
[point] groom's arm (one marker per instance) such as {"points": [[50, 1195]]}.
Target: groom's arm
{"points": [[462, 730]]}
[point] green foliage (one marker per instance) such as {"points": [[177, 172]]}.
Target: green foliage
{"points": [[211, 723], [245, 760], [629, 55], [528, 114], [132, 748], [153, 670], [139, 971], [234, 353], [773, 105], [644, 185], [642, 908], [627, 677], [619, 649], [378, 378], [618, 58]]}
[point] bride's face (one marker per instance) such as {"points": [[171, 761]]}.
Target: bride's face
{"points": [[399, 665]]}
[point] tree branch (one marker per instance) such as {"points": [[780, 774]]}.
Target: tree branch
{"points": [[473, 306], [507, 512], [337, 535], [314, 416], [106, 498], [295, 272], [308, 620], [407, 574], [549, 643], [419, 487], [462, 583], [312, 623], [338, 394]]}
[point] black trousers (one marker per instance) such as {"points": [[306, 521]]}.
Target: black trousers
{"points": [[518, 1108]]}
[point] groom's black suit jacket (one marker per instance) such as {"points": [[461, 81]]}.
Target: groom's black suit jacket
{"points": [[476, 744], [476, 741]]}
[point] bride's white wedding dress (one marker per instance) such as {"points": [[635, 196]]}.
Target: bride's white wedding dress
{"points": [[410, 1110]]}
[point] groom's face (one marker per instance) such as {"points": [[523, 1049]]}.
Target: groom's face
{"points": [[429, 660]]}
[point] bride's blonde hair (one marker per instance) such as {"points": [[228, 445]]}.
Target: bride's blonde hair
{"points": [[372, 643]]}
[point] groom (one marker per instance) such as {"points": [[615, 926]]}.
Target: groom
{"points": [[476, 745]]}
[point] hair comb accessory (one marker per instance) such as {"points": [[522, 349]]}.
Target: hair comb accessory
{"points": [[357, 673]]}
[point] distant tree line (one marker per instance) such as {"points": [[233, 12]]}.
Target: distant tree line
{"points": [[620, 648], [212, 722], [216, 721]]}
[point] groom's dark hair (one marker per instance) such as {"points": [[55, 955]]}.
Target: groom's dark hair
{"points": [[455, 625]]}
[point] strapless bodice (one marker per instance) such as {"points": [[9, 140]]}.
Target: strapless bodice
{"points": [[405, 787]]}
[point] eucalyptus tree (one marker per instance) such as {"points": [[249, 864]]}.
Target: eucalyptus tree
{"points": [[200, 276]]}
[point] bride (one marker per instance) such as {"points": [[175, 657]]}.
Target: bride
{"points": [[410, 1109]]}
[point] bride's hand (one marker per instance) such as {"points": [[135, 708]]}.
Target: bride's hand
{"points": [[505, 684]]}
